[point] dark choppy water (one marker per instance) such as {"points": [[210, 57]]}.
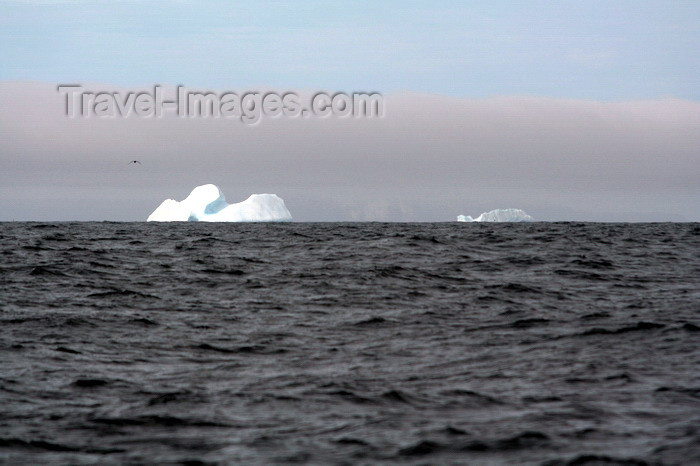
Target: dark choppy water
{"points": [[350, 343]]}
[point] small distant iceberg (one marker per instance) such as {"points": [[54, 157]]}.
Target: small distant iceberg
{"points": [[498, 215], [207, 203]]}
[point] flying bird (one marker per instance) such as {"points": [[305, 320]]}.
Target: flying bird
{"points": [[134, 161]]}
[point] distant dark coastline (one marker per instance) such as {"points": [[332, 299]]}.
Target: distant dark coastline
{"points": [[341, 222]]}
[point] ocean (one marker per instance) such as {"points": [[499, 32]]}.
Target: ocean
{"points": [[350, 343]]}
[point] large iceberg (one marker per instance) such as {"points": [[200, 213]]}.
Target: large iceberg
{"points": [[498, 215], [207, 204]]}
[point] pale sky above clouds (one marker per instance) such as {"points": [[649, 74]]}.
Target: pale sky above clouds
{"points": [[570, 110], [596, 49]]}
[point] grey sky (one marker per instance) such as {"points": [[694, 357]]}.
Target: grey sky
{"points": [[570, 110], [593, 49], [429, 159]]}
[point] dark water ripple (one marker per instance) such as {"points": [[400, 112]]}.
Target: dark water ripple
{"points": [[554, 344]]}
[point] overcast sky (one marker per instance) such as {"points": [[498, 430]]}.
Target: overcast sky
{"points": [[570, 110]]}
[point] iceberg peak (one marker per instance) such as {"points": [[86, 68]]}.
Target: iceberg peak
{"points": [[207, 203], [498, 215]]}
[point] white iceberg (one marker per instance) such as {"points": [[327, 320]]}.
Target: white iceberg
{"points": [[207, 204], [498, 215]]}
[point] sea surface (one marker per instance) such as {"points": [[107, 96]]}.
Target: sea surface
{"points": [[350, 343]]}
